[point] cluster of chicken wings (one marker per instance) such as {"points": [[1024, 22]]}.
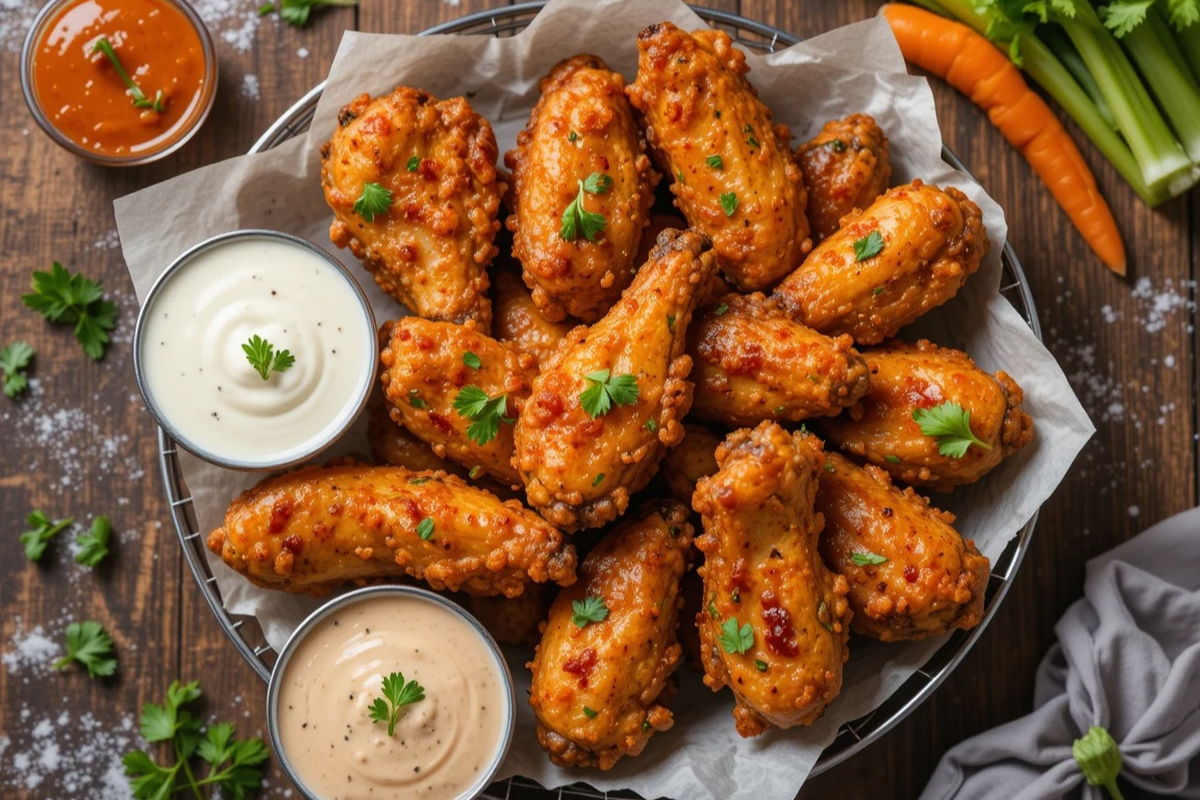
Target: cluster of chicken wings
{"points": [[736, 353]]}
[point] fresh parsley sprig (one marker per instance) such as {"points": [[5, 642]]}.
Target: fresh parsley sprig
{"points": [[950, 424], [605, 391], [485, 413], [589, 609], [13, 360], [374, 201], [60, 296], [93, 546], [262, 356], [867, 246], [396, 695], [734, 639], [296, 12], [868, 559], [576, 220], [140, 100], [729, 203], [90, 645], [41, 531]]}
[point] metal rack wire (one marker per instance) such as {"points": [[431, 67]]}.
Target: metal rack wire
{"points": [[247, 637]]}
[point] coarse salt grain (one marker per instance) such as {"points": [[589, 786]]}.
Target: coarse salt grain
{"points": [[250, 87], [34, 649]]}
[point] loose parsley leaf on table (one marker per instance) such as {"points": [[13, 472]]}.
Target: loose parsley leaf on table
{"points": [[374, 200], [589, 609], [485, 413], [296, 12], [93, 546], [60, 296], [734, 639], [950, 424], [398, 694], [13, 360], [606, 390], [90, 645], [41, 530], [576, 220], [262, 356]]}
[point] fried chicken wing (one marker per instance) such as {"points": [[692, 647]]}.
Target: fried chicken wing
{"points": [[908, 377], [692, 459], [752, 362], [517, 321], [775, 623], [582, 125], [428, 367], [845, 166], [931, 240], [600, 680], [928, 579], [580, 467], [316, 528], [735, 177], [431, 245], [514, 620], [394, 445]]}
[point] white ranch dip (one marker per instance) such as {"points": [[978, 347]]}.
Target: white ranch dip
{"points": [[198, 379]]}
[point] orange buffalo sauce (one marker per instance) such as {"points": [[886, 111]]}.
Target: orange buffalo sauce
{"points": [[84, 97]]}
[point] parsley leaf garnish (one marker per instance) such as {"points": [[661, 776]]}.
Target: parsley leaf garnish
{"points": [[399, 694], [760, 665], [41, 531], [950, 424], [867, 559], [589, 713], [734, 639], [262, 356], [729, 203], [425, 529], [414, 399], [868, 246], [576, 220], [60, 296], [13, 361], [374, 200], [93, 546], [296, 12], [715, 161], [722, 310], [606, 391], [471, 360], [90, 645], [837, 145], [413, 163], [589, 609], [572, 136], [750, 140], [485, 413]]}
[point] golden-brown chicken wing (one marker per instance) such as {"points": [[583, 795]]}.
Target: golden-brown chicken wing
{"points": [[581, 126], [926, 242], [909, 378], [395, 446], [514, 620], [444, 382], [735, 177], [318, 527], [911, 575], [609, 646], [845, 166], [516, 320], [751, 361], [692, 459], [610, 400], [774, 625], [429, 241]]}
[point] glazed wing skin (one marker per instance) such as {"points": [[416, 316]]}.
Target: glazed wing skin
{"points": [[908, 377], [845, 166], [516, 319], [316, 528], [617, 667], [752, 362], [932, 580], [430, 248], [692, 459], [692, 91], [581, 125], [932, 239], [425, 369], [762, 569], [579, 471]]}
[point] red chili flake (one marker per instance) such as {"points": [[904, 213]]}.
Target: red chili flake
{"points": [[581, 666], [281, 512], [293, 543], [780, 636], [738, 576], [440, 422], [911, 574]]}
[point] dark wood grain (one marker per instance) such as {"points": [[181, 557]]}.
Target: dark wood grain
{"points": [[80, 444]]}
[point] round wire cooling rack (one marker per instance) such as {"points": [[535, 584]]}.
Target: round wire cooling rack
{"points": [[853, 736]]}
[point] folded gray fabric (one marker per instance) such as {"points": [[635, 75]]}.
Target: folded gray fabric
{"points": [[1128, 660]]}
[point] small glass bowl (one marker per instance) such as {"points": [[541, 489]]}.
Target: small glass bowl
{"points": [[187, 127]]}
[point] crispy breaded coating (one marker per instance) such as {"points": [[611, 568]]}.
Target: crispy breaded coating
{"points": [[514, 620], [751, 361], [692, 459], [582, 125], [599, 687], [734, 175], [846, 166], [393, 444], [929, 581], [319, 527], [516, 320], [909, 377], [431, 247], [580, 470], [763, 576]]}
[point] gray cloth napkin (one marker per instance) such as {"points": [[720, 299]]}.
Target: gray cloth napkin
{"points": [[1128, 660]]}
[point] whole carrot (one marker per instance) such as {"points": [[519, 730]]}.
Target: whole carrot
{"points": [[973, 65]]}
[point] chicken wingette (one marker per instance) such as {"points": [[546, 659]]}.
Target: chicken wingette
{"points": [[775, 619], [517, 321], [601, 670], [581, 154], [514, 620], [911, 575], [845, 166], [751, 361], [909, 251], [734, 175], [395, 446], [610, 400], [692, 459], [318, 527], [413, 185], [911, 384]]}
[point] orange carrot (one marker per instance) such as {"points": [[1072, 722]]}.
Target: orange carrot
{"points": [[973, 65]]}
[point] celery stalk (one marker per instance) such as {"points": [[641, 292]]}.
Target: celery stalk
{"points": [[1188, 40], [1157, 56], [1058, 43]]}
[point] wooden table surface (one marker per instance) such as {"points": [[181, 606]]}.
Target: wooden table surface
{"points": [[80, 444]]}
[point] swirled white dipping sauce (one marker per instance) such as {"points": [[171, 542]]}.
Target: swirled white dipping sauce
{"points": [[198, 380], [443, 745]]}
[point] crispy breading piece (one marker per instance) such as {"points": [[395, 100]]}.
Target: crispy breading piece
{"points": [[751, 361], [318, 527], [932, 240], [931, 581], [762, 570], [430, 249], [845, 166], [581, 125], [692, 459], [514, 620], [425, 369], [599, 688], [698, 105], [394, 445], [908, 377], [579, 471], [516, 320]]}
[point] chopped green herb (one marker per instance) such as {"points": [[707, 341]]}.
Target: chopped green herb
{"points": [[374, 201], [868, 246], [950, 424], [867, 559], [13, 361], [760, 665], [679, 175], [485, 413], [589, 713], [651, 425], [734, 639], [41, 531], [671, 322], [414, 399], [589, 609], [729, 203], [598, 479], [475, 472], [722, 310], [878, 290], [296, 12], [90, 645], [891, 459], [419, 481], [645, 725], [471, 360], [715, 161], [93, 546], [572, 136], [735, 595], [838, 145], [605, 391], [829, 467], [425, 529], [414, 162], [135, 92]]}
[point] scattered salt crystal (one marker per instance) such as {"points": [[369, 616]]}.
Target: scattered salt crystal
{"points": [[1158, 304], [250, 87], [109, 241], [1134, 511], [33, 649], [302, 52], [16, 17], [1109, 313], [1169, 361]]}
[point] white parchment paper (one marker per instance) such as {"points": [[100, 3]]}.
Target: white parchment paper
{"points": [[857, 68]]}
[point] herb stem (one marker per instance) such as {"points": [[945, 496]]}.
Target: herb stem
{"points": [[140, 100], [187, 771]]}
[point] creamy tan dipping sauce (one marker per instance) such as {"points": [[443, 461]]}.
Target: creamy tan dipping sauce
{"points": [[442, 745]]}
